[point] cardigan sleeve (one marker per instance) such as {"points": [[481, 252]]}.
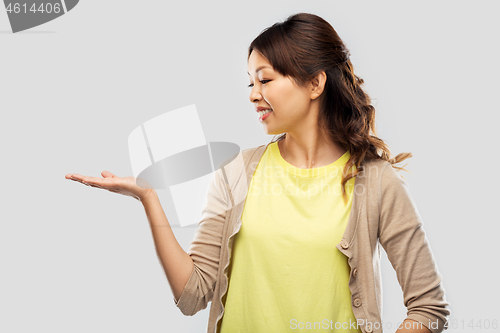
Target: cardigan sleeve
{"points": [[402, 236], [205, 249]]}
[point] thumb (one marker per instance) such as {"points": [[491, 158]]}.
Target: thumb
{"points": [[107, 174]]}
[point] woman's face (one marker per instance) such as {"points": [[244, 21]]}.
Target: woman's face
{"points": [[291, 104]]}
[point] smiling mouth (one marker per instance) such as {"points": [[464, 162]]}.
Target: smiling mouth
{"points": [[264, 115], [263, 112]]}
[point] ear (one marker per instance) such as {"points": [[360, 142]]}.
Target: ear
{"points": [[318, 85]]}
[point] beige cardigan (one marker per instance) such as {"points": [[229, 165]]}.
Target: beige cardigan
{"points": [[382, 213]]}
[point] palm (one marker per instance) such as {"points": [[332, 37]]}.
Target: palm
{"points": [[113, 183]]}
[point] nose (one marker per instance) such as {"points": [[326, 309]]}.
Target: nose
{"points": [[255, 95]]}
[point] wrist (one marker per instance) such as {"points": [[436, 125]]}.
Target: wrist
{"points": [[150, 193]]}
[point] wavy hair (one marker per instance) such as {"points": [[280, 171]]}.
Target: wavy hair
{"points": [[301, 47]]}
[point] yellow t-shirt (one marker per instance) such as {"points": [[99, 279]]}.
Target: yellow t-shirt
{"points": [[286, 272]]}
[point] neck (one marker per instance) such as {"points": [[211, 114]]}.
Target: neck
{"points": [[312, 151]]}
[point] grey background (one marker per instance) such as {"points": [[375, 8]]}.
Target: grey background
{"points": [[81, 259]]}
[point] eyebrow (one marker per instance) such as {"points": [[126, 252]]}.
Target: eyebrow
{"points": [[259, 68]]}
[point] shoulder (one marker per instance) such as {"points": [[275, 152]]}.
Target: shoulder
{"points": [[374, 168], [244, 155], [387, 186], [237, 164], [249, 152], [381, 173], [252, 156]]}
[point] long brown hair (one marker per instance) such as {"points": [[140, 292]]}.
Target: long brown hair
{"points": [[301, 47]]}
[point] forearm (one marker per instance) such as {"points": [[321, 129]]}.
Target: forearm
{"points": [[411, 326], [176, 263]]}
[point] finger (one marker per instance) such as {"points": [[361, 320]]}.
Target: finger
{"points": [[76, 176], [85, 179], [89, 182], [107, 174], [106, 183], [92, 180]]}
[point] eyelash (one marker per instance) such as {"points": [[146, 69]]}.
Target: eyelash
{"points": [[251, 85]]}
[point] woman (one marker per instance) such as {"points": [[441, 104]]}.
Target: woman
{"points": [[297, 246]]}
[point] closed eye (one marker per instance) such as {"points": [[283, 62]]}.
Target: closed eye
{"points": [[251, 85]]}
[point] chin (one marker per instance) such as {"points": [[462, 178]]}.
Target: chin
{"points": [[269, 132]]}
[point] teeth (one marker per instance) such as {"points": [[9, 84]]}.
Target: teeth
{"points": [[261, 113]]}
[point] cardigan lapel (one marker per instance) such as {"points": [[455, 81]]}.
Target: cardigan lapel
{"points": [[348, 237], [241, 183]]}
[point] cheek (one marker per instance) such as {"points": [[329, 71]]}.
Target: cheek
{"points": [[281, 96], [292, 100]]}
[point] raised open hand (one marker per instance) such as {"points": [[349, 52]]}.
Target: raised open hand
{"points": [[113, 183]]}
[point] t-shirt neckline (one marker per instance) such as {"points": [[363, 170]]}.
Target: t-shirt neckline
{"points": [[332, 169]]}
